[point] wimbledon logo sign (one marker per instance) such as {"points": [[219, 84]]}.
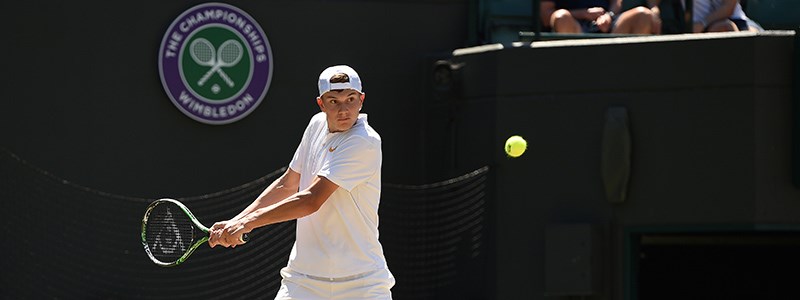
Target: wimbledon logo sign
{"points": [[215, 63]]}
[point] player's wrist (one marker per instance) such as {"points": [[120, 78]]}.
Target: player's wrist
{"points": [[247, 223]]}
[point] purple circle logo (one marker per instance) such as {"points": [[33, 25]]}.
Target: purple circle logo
{"points": [[215, 63]]}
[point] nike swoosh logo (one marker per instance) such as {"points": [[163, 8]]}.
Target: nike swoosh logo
{"points": [[331, 149]]}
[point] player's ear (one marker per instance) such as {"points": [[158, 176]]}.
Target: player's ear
{"points": [[319, 102], [362, 97]]}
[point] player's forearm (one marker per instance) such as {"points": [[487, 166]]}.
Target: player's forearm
{"points": [[277, 191], [296, 206], [264, 200]]}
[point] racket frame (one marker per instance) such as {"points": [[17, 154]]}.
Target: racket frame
{"points": [[189, 251]]}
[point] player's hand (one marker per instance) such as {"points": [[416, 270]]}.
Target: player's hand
{"points": [[228, 234], [215, 232]]}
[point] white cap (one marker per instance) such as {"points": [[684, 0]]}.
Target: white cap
{"points": [[325, 84]]}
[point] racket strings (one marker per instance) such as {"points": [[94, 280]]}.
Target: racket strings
{"points": [[202, 52], [169, 232], [230, 52]]}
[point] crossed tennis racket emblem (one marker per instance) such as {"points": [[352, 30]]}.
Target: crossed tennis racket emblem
{"points": [[228, 55]]}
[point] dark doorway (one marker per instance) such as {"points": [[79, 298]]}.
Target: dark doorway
{"points": [[716, 265]]}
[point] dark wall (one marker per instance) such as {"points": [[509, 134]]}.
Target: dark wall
{"points": [[82, 96], [710, 125], [710, 118]]}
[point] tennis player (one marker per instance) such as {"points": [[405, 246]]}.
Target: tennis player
{"points": [[332, 187]]}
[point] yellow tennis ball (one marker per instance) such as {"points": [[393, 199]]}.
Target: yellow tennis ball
{"points": [[515, 146]]}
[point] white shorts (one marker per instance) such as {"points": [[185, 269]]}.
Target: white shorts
{"points": [[370, 285]]}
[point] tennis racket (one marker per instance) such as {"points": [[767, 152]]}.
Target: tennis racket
{"points": [[170, 232]]}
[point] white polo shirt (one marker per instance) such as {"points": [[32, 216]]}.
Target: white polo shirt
{"points": [[341, 238]]}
